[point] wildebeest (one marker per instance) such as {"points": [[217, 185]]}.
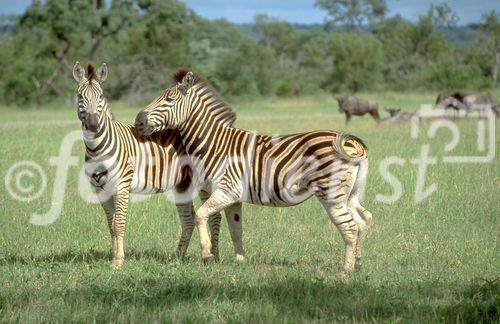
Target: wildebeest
{"points": [[457, 95], [461, 101], [351, 105], [396, 115], [451, 99], [481, 101]]}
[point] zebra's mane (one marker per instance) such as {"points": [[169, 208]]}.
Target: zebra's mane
{"points": [[218, 107], [90, 72]]}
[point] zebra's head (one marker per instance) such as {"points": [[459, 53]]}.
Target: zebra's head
{"points": [[170, 109], [91, 101]]}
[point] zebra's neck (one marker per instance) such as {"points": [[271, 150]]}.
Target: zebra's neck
{"points": [[207, 131], [202, 136], [97, 142]]}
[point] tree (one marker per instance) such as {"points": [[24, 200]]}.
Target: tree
{"points": [[428, 39], [286, 44], [145, 38], [442, 15], [249, 70], [491, 25], [398, 38], [6, 24], [68, 28], [213, 40], [279, 35], [358, 62], [157, 42], [353, 13]]}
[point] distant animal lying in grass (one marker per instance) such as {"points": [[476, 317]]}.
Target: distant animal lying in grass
{"points": [[451, 100], [481, 102], [396, 115], [461, 101], [353, 106]]}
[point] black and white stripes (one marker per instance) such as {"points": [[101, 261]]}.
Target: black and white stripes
{"points": [[118, 161], [275, 171]]}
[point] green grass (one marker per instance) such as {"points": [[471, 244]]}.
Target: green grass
{"points": [[433, 261]]}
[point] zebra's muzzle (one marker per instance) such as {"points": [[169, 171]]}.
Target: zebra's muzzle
{"points": [[141, 124], [91, 122]]}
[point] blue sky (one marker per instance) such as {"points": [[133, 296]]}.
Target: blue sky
{"points": [[303, 11]]}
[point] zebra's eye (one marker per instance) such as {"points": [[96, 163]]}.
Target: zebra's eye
{"points": [[169, 100]]}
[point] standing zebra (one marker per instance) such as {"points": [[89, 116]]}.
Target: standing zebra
{"points": [[118, 161], [274, 171]]}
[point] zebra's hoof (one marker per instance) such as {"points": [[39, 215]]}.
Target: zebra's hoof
{"points": [[348, 268], [117, 264], [209, 259], [179, 255]]}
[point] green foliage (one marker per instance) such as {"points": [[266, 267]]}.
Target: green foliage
{"points": [[289, 49], [446, 73], [353, 13], [358, 62], [210, 43], [492, 26], [144, 40], [248, 70]]}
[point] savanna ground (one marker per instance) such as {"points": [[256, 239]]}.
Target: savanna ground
{"points": [[432, 261]]}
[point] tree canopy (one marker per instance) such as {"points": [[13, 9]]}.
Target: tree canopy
{"points": [[358, 48], [353, 13]]}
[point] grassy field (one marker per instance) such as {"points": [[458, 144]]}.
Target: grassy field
{"points": [[432, 261]]}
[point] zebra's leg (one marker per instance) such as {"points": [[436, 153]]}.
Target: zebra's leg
{"points": [[186, 215], [121, 205], [341, 217], [334, 194], [217, 201], [363, 219], [109, 208], [213, 224], [234, 222]]}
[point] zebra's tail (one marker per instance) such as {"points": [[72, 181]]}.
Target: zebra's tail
{"points": [[352, 149], [349, 147]]}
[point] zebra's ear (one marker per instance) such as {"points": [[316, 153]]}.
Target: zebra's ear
{"points": [[102, 73], [78, 72], [187, 82]]}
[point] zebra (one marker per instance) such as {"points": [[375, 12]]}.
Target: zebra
{"points": [[242, 166], [118, 161]]}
